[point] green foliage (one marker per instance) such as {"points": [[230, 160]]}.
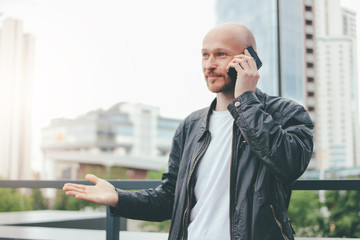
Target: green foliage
{"points": [[38, 201], [155, 175], [304, 212], [340, 216], [156, 226], [344, 208], [117, 173], [11, 200]]}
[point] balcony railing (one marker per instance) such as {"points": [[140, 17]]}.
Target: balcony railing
{"points": [[113, 223]]}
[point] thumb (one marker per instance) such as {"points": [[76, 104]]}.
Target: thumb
{"points": [[92, 178]]}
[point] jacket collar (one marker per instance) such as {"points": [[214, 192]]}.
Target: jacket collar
{"points": [[204, 127], [205, 121]]}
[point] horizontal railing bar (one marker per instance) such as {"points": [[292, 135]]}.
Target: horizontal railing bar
{"points": [[124, 184], [343, 184], [144, 184]]}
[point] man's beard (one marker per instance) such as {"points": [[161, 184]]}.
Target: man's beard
{"points": [[226, 86]]}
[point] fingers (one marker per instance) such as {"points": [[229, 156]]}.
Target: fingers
{"points": [[81, 196], [84, 197], [74, 187], [80, 187], [251, 61], [71, 193], [240, 64], [92, 178], [246, 62]]}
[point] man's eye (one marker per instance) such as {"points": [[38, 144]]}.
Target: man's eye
{"points": [[222, 54], [205, 55]]}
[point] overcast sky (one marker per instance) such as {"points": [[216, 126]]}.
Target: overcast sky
{"points": [[91, 54]]}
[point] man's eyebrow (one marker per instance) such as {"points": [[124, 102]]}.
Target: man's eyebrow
{"points": [[217, 50]]}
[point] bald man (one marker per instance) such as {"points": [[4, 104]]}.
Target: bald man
{"points": [[232, 164]]}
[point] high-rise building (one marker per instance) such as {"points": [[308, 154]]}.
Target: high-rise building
{"points": [[310, 62], [132, 136], [280, 44], [337, 86], [16, 89]]}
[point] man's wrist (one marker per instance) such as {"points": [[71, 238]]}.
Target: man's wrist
{"points": [[115, 199]]}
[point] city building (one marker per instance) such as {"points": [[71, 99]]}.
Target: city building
{"points": [[336, 86], [310, 60], [16, 89], [132, 136]]}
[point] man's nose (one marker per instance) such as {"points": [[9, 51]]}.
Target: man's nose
{"points": [[211, 63]]}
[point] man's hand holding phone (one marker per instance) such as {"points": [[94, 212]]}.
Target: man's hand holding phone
{"points": [[247, 75]]}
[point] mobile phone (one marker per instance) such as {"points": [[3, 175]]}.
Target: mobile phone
{"points": [[233, 73]]}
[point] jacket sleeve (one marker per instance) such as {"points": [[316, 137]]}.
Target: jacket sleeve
{"points": [[284, 145], [152, 204]]}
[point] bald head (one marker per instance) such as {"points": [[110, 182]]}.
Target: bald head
{"points": [[233, 32]]}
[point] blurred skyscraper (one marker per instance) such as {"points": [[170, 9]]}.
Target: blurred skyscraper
{"points": [[16, 89], [316, 42], [337, 86]]}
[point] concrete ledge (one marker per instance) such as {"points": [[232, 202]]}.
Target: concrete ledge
{"points": [[44, 233], [59, 225]]}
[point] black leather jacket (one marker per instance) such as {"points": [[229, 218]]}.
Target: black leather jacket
{"points": [[272, 146]]}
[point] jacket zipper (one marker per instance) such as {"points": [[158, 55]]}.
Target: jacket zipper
{"points": [[278, 223], [242, 144], [188, 182]]}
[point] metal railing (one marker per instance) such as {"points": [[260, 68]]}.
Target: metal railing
{"points": [[113, 223]]}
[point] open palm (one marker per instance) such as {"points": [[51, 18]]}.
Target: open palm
{"points": [[102, 192]]}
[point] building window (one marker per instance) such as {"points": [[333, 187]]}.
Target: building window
{"points": [[310, 79], [309, 50], [308, 8], [310, 94], [311, 109], [309, 36], [310, 65], [308, 22]]}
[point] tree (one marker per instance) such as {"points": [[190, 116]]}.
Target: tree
{"points": [[38, 201], [12, 200], [344, 208], [304, 212]]}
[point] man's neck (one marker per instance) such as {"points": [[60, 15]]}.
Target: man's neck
{"points": [[223, 100]]}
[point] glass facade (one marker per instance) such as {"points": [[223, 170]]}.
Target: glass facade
{"points": [[260, 16]]}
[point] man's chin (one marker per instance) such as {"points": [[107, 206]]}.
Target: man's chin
{"points": [[223, 89]]}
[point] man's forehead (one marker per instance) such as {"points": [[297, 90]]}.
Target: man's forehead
{"points": [[222, 42]]}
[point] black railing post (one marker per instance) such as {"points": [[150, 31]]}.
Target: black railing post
{"points": [[112, 226], [123, 224]]}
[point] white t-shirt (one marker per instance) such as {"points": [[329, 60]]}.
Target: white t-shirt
{"points": [[209, 217]]}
